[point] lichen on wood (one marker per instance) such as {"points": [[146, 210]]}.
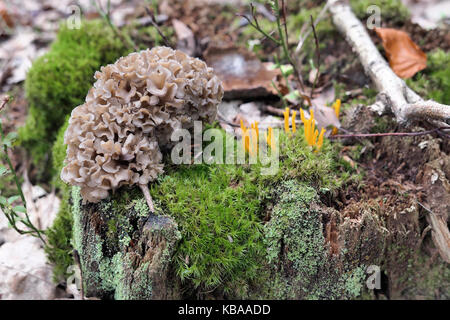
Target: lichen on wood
{"points": [[124, 254]]}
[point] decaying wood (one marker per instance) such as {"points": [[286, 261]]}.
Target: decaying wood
{"points": [[394, 95]]}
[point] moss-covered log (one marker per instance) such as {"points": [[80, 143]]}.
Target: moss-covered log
{"points": [[310, 251]]}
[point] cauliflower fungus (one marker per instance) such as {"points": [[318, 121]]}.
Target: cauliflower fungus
{"points": [[115, 138]]}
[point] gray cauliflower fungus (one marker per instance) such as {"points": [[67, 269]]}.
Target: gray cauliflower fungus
{"points": [[115, 138]]}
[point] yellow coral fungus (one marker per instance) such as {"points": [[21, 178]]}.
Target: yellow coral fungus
{"points": [[337, 109], [286, 119], [250, 138], [320, 141], [312, 136], [254, 136], [245, 137], [270, 139], [294, 127]]}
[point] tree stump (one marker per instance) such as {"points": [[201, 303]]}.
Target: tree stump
{"points": [[124, 254]]}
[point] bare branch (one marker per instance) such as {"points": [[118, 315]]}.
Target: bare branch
{"points": [[406, 105]]}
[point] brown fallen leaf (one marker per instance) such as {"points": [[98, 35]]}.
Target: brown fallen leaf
{"points": [[405, 57]]}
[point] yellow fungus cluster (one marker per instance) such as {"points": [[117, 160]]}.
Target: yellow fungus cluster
{"points": [[250, 138], [312, 135], [270, 139]]}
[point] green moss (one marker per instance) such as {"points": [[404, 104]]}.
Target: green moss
{"points": [[217, 210], [58, 156], [323, 169], [391, 10], [434, 81], [59, 247], [59, 80], [59, 235]]}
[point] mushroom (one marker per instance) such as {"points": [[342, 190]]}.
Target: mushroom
{"points": [[115, 138]]}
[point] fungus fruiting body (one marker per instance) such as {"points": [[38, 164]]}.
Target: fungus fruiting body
{"points": [[312, 135], [115, 138]]}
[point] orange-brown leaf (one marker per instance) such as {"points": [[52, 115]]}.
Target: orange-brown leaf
{"points": [[405, 57]]}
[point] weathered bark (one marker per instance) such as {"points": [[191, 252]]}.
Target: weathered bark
{"points": [[315, 252], [395, 95], [124, 255]]}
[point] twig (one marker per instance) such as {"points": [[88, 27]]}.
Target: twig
{"points": [[387, 134], [7, 209], [106, 15], [255, 24], [147, 197], [406, 105], [302, 37], [155, 25], [316, 41]]}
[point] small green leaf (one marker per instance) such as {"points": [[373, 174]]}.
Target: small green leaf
{"points": [[3, 170], [20, 209], [12, 199], [3, 201], [9, 139], [292, 96], [286, 69]]}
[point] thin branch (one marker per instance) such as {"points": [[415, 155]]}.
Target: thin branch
{"points": [[147, 196], [166, 41], [316, 41], [302, 37], [406, 105], [11, 215], [387, 134]]}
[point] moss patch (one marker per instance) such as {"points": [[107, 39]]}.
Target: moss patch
{"points": [[59, 80], [393, 11], [59, 246], [434, 81], [217, 210]]}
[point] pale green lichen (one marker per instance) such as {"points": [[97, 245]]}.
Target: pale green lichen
{"points": [[76, 213], [297, 254], [141, 207]]}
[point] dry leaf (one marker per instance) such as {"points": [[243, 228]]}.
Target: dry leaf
{"points": [[405, 57], [185, 36], [325, 117]]}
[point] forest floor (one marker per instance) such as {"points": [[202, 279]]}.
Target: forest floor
{"points": [[396, 173]]}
